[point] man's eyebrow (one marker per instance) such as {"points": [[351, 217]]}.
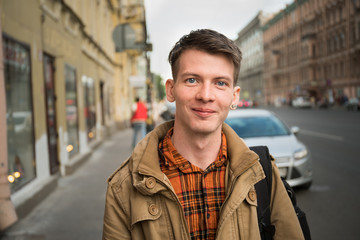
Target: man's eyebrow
{"points": [[188, 74], [224, 78]]}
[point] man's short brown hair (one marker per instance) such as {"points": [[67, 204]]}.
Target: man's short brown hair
{"points": [[208, 41]]}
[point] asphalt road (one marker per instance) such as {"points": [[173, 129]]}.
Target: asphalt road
{"points": [[332, 204]]}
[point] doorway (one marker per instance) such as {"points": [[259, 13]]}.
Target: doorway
{"points": [[49, 72]]}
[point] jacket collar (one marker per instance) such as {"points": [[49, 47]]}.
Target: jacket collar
{"points": [[240, 156], [145, 158]]}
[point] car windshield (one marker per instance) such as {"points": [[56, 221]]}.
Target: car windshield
{"points": [[259, 126]]}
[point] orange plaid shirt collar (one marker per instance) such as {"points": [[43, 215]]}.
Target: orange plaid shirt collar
{"points": [[173, 159], [200, 192]]}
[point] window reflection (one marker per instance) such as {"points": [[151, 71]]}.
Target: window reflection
{"points": [[90, 107], [71, 111], [19, 114]]}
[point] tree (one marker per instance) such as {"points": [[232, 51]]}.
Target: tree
{"points": [[160, 87]]}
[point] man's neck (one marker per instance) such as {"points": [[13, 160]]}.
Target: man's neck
{"points": [[200, 150]]}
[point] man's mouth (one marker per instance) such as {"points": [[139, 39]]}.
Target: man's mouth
{"points": [[203, 111]]}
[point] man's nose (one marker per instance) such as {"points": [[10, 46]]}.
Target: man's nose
{"points": [[205, 92]]}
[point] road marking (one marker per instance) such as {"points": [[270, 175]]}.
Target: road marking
{"points": [[320, 188], [322, 135]]}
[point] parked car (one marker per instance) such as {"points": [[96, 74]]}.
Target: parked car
{"points": [[169, 113], [22, 121], [262, 127], [301, 102], [353, 104]]}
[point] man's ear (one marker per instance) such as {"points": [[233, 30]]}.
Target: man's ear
{"points": [[169, 87], [236, 95]]}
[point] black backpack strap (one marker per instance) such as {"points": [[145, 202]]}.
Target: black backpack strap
{"points": [[299, 213], [263, 190]]}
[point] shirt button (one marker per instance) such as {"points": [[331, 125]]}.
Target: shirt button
{"points": [[153, 209], [150, 182], [252, 195]]}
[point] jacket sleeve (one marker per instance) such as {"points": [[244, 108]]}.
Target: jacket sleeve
{"points": [[283, 215], [115, 219]]}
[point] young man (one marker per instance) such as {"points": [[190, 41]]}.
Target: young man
{"points": [[193, 178]]}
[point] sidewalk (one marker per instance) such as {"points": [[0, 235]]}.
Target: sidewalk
{"points": [[75, 209]]}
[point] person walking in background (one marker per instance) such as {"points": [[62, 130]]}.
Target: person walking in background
{"points": [[138, 121]]}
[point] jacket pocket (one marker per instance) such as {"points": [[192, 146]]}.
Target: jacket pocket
{"points": [[149, 220], [145, 211]]}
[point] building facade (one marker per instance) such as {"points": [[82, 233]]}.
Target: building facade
{"points": [[132, 53], [312, 48], [66, 87], [250, 42]]}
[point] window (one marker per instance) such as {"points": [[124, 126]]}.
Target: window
{"points": [[336, 67], [342, 39], [340, 14], [313, 54], [257, 126], [71, 111], [337, 44], [19, 114], [90, 107]]}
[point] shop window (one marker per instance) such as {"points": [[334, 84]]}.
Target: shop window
{"points": [[19, 114], [71, 111], [90, 106]]}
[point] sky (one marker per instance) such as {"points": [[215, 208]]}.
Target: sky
{"points": [[168, 20]]}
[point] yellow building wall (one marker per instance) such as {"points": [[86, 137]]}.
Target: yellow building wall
{"points": [[79, 34], [75, 33]]}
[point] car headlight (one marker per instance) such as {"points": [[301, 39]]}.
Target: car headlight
{"points": [[300, 154]]}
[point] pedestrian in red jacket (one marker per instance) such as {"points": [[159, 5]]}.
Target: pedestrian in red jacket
{"points": [[138, 120]]}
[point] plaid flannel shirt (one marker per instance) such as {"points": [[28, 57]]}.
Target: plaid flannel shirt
{"points": [[201, 192]]}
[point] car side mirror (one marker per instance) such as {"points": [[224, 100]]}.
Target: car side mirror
{"points": [[295, 130]]}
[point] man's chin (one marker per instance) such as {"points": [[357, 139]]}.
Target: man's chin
{"points": [[204, 129]]}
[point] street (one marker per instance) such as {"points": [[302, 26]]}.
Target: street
{"points": [[75, 209], [332, 203]]}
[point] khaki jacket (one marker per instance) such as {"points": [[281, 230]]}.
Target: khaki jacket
{"points": [[141, 203]]}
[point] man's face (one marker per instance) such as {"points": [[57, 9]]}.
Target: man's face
{"points": [[204, 91]]}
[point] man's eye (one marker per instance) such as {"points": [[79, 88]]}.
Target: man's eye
{"points": [[221, 83], [191, 80]]}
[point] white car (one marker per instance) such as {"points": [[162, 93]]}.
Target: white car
{"points": [[262, 127], [301, 102]]}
